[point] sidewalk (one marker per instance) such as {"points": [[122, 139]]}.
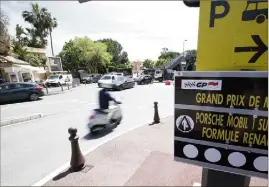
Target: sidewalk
{"points": [[58, 90], [142, 157]]}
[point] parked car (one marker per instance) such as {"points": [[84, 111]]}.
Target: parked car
{"points": [[87, 80], [145, 79], [116, 73], [96, 78], [2, 80], [55, 80], [116, 82], [11, 92]]}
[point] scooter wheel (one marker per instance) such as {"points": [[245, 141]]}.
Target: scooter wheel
{"points": [[94, 132]]}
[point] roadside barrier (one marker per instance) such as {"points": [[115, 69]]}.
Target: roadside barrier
{"points": [[60, 87], [156, 118], [77, 162]]}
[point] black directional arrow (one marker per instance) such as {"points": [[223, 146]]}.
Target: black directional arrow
{"points": [[259, 49]]}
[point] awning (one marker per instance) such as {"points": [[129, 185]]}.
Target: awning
{"points": [[32, 68], [12, 60]]}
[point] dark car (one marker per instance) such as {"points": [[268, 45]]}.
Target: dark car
{"points": [[145, 79], [12, 92], [2, 80], [87, 80], [96, 78], [116, 82]]}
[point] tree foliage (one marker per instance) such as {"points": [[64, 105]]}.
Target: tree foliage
{"points": [[18, 43], [42, 25], [115, 49], [165, 57], [18, 48], [161, 62], [35, 60], [192, 52], [83, 53], [148, 63], [4, 35], [169, 55]]}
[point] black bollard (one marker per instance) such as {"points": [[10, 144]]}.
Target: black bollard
{"points": [[68, 86], [156, 118], [77, 162]]}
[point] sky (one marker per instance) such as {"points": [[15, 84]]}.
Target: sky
{"points": [[142, 27]]}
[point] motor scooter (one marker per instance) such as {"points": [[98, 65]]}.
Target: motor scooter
{"points": [[100, 119]]}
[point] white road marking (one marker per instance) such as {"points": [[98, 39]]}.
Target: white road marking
{"points": [[63, 167], [196, 184]]}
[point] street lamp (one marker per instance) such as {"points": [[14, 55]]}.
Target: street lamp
{"points": [[184, 47]]}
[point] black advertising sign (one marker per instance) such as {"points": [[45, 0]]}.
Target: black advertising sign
{"points": [[239, 92], [221, 121]]}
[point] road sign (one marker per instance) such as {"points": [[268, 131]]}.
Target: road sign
{"points": [[233, 35], [184, 123], [225, 128]]}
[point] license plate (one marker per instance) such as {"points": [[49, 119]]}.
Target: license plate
{"points": [[106, 85]]}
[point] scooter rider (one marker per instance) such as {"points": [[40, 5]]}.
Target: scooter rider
{"points": [[104, 98]]}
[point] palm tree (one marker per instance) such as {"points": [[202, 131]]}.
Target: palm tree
{"points": [[36, 19], [42, 23], [50, 24]]}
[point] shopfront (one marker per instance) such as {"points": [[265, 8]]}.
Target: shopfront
{"points": [[14, 70]]}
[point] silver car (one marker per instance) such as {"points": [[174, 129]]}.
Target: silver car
{"points": [[116, 82]]}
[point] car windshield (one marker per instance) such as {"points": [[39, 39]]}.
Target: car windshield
{"points": [[53, 77], [106, 77], [120, 78]]}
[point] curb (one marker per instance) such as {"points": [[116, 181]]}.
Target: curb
{"points": [[66, 165], [20, 119]]}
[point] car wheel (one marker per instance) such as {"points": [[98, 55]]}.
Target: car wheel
{"points": [[119, 121], [260, 19], [33, 97], [120, 88], [93, 132]]}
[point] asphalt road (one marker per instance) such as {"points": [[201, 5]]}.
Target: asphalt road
{"points": [[31, 150]]}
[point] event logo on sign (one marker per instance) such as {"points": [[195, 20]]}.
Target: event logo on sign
{"points": [[201, 84]]}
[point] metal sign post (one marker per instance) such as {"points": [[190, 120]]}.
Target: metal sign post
{"points": [[221, 118]]}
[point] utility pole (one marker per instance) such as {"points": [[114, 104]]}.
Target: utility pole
{"points": [[184, 47]]}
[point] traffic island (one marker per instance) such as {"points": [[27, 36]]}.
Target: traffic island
{"points": [[20, 119], [141, 157]]}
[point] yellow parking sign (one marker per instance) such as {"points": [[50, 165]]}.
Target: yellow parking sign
{"points": [[233, 35]]}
